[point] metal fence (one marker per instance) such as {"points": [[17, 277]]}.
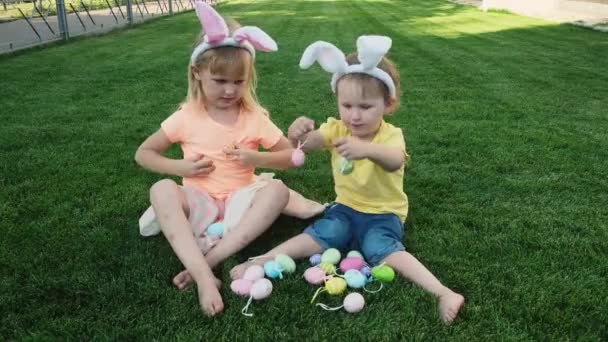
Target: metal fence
{"points": [[26, 23]]}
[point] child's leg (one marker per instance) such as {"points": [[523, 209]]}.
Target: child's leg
{"points": [[302, 207], [267, 205], [410, 268], [297, 247], [333, 230], [380, 241], [170, 205]]}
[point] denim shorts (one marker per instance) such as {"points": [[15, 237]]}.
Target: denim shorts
{"points": [[376, 236]]}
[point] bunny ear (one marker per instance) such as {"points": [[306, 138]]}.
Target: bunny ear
{"points": [[371, 49], [327, 55], [213, 24], [258, 38]]}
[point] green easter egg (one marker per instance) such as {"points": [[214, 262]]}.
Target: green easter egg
{"points": [[383, 273], [327, 268], [346, 166], [331, 256], [287, 262]]}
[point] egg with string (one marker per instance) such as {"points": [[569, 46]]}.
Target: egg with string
{"points": [[298, 157], [354, 302], [254, 272]]}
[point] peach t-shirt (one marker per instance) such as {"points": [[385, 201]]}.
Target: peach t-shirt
{"points": [[198, 134]]}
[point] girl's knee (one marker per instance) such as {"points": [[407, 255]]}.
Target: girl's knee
{"points": [[165, 191], [162, 187], [279, 191]]}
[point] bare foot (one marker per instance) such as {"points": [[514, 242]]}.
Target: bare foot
{"points": [[209, 298], [183, 279], [238, 271], [449, 305]]}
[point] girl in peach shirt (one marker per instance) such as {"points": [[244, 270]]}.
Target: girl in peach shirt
{"points": [[219, 128]]}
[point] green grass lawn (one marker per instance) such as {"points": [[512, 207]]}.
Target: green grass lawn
{"points": [[505, 118]]}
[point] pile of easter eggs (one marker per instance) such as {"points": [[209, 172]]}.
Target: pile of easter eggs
{"points": [[355, 275], [328, 269], [254, 283]]}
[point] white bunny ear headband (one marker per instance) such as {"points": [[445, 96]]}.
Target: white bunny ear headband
{"points": [[370, 50], [216, 31]]}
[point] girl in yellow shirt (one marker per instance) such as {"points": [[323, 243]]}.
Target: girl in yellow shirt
{"points": [[368, 159]]}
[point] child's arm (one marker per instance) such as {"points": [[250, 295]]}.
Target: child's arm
{"points": [[302, 130], [279, 156], [387, 157], [149, 156]]}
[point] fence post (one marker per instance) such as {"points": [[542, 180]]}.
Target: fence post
{"points": [[62, 20], [129, 12], [170, 7]]}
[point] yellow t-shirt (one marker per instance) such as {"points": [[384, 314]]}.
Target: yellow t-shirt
{"points": [[368, 188]]}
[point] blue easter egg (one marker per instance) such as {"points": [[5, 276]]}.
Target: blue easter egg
{"points": [[355, 279], [366, 271], [273, 269], [315, 259], [216, 229]]}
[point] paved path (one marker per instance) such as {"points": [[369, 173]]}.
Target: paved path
{"points": [[18, 34], [589, 13]]}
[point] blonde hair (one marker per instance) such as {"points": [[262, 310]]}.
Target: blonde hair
{"points": [[225, 60], [370, 84]]}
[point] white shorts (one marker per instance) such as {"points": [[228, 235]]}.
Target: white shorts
{"points": [[205, 210]]}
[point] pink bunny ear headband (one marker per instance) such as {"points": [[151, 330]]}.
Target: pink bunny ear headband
{"points": [[216, 31], [370, 50]]}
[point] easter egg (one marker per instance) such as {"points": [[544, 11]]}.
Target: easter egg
{"points": [[366, 271], [241, 287], [216, 229], [254, 272], [354, 254], [314, 275], [354, 302], [335, 286], [331, 256], [273, 269], [327, 267], [298, 157], [346, 166], [355, 279], [351, 264], [315, 259], [261, 289], [286, 262], [383, 273]]}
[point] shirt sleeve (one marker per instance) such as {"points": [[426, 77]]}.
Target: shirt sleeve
{"points": [[173, 126], [394, 138], [269, 133], [329, 131]]}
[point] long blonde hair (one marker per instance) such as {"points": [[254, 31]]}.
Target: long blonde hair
{"points": [[226, 59]]}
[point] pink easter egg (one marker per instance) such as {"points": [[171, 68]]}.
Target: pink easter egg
{"points": [[351, 263], [261, 289], [354, 302], [254, 272], [241, 287], [314, 275], [298, 157]]}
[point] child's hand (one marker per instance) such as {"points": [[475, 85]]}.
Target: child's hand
{"points": [[198, 166], [351, 148], [243, 155], [299, 128]]}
